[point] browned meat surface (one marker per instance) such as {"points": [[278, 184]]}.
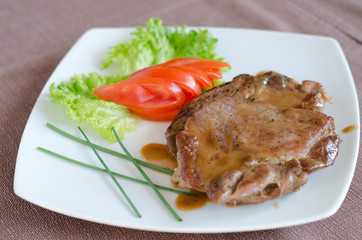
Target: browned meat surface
{"points": [[252, 139]]}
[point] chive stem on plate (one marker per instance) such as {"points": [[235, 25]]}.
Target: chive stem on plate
{"points": [[114, 173], [111, 174], [103, 149], [163, 200]]}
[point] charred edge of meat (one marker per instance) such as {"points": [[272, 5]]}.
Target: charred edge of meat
{"points": [[187, 160], [258, 184], [275, 80], [322, 154]]}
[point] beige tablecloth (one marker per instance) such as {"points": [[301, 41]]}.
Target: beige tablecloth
{"points": [[35, 35]]}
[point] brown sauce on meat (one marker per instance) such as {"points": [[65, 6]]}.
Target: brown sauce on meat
{"points": [[350, 128], [188, 202], [221, 153], [244, 147], [280, 99], [285, 97], [158, 154]]}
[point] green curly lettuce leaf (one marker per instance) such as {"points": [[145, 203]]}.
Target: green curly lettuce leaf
{"points": [[82, 106], [156, 44], [195, 43]]}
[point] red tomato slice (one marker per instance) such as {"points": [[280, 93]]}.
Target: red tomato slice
{"points": [[158, 92], [212, 73], [200, 77], [153, 116], [180, 61], [182, 79], [162, 95], [204, 63], [156, 86], [197, 63], [157, 106], [167, 95], [125, 94]]}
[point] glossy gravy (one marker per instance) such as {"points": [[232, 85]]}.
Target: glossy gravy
{"points": [[188, 202], [267, 103], [280, 99], [158, 154]]}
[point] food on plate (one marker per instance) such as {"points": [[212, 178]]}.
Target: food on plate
{"points": [[148, 46], [252, 139], [158, 92]]}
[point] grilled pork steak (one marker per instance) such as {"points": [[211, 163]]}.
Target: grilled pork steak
{"points": [[252, 139]]}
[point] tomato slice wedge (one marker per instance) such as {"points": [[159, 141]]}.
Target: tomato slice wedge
{"points": [[158, 92], [161, 88], [166, 96], [181, 78], [197, 63], [200, 77], [180, 61], [125, 94], [156, 106], [204, 63], [212, 73], [155, 116]]}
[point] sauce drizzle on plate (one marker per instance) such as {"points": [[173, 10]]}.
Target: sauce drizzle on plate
{"points": [[187, 202], [350, 128], [158, 154]]}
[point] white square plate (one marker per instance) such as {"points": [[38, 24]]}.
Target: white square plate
{"points": [[75, 191]]}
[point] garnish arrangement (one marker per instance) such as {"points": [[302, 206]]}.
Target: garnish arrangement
{"points": [[111, 175], [160, 70], [151, 45], [158, 92], [118, 154], [128, 156]]}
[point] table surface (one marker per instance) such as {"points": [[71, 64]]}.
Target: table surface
{"points": [[35, 35]]}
